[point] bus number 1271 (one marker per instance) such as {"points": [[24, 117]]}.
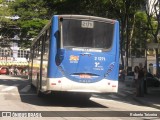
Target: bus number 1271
{"points": [[87, 24]]}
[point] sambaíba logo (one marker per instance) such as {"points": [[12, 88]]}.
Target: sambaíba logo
{"points": [[74, 58]]}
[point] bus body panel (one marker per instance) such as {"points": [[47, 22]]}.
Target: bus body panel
{"points": [[94, 64], [84, 70], [64, 84], [52, 67]]}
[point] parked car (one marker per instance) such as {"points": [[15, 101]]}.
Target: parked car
{"points": [[121, 75], [152, 81], [129, 79], [4, 70]]}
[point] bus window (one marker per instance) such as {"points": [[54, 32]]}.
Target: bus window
{"points": [[96, 35]]}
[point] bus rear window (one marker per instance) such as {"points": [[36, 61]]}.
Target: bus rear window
{"points": [[83, 33]]}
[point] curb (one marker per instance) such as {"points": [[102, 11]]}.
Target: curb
{"points": [[143, 102], [20, 76], [140, 100]]}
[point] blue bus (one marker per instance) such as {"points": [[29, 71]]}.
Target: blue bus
{"points": [[76, 54]]}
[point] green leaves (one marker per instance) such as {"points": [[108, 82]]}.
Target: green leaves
{"points": [[33, 26], [34, 14], [33, 17]]}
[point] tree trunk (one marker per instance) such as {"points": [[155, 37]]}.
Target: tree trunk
{"points": [[157, 63], [123, 24]]}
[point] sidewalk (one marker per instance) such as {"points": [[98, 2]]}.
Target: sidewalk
{"points": [[151, 99], [20, 76]]}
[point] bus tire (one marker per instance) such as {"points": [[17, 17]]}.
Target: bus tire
{"points": [[87, 96], [39, 93], [32, 86], [84, 96]]}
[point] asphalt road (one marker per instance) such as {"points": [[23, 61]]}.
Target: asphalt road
{"points": [[18, 99]]}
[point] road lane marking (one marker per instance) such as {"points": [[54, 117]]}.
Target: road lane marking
{"points": [[122, 94], [2, 85], [10, 88], [20, 94], [26, 88], [113, 96], [3, 80], [30, 94], [130, 92]]}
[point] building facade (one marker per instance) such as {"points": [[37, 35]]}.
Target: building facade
{"points": [[13, 57]]}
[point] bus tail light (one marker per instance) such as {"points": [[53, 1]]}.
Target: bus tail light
{"points": [[85, 76], [53, 83], [59, 81], [113, 85]]}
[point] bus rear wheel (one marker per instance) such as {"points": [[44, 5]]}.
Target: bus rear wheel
{"points": [[83, 96], [38, 91]]}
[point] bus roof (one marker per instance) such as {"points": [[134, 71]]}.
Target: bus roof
{"points": [[87, 17]]}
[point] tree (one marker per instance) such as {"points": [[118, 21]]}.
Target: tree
{"points": [[140, 34], [85, 7], [32, 18], [153, 15], [6, 24], [125, 11], [4, 13], [34, 14]]}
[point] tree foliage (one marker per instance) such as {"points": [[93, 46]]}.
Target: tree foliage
{"points": [[5, 13], [153, 17], [33, 17], [124, 11], [34, 14], [86, 7]]}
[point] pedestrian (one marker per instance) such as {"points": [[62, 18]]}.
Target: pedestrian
{"points": [[136, 71], [121, 75], [7, 71], [145, 81], [141, 80], [15, 71], [10, 71]]}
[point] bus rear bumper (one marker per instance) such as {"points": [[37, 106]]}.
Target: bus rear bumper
{"points": [[64, 84]]}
